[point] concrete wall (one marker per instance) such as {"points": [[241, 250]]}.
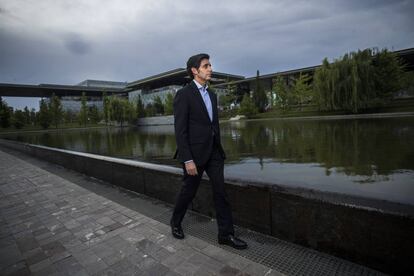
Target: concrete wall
{"points": [[374, 233]]}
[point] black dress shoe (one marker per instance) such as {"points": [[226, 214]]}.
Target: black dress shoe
{"points": [[232, 241], [177, 232]]}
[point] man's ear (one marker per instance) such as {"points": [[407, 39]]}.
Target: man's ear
{"points": [[194, 71]]}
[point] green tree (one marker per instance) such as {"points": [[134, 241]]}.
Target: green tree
{"points": [[106, 108], [129, 111], [389, 72], [26, 114], [355, 82], [229, 97], [302, 90], [283, 95], [56, 112], [140, 108], [358, 92], [116, 110], [169, 104], [33, 120], [121, 110], [358, 80], [18, 119], [247, 106], [44, 114], [70, 116], [83, 113], [150, 110], [225, 101], [93, 114], [259, 95], [158, 105], [5, 114], [322, 86], [236, 92], [407, 83]]}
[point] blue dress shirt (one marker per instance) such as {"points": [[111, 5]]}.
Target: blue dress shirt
{"points": [[206, 98]]}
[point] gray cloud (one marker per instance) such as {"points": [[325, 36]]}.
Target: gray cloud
{"points": [[77, 45]]}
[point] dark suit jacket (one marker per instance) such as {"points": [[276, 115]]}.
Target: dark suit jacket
{"points": [[195, 134]]}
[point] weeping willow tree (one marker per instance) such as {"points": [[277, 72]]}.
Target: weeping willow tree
{"points": [[357, 81], [121, 110], [389, 73]]}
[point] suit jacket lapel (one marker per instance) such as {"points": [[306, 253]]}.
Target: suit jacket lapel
{"points": [[200, 99]]}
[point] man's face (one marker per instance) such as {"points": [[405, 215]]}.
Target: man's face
{"points": [[203, 73]]}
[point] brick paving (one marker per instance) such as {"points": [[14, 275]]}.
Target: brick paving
{"points": [[51, 225]]}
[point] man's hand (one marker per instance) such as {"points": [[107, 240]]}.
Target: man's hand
{"points": [[191, 168]]}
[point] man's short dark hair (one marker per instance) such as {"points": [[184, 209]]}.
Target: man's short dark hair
{"points": [[195, 62]]}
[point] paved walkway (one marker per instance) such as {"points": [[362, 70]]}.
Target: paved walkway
{"points": [[53, 226], [54, 221]]}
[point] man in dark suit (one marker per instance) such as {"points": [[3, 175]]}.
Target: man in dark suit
{"points": [[199, 149]]}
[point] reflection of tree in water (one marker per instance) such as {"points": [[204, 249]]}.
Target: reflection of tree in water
{"points": [[92, 140], [368, 147], [123, 141], [105, 141], [52, 139], [133, 143], [364, 147], [70, 141], [108, 139], [142, 140], [154, 146], [247, 141], [353, 147]]}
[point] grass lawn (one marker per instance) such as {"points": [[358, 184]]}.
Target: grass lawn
{"points": [[400, 105]]}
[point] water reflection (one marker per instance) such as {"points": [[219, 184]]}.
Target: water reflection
{"points": [[355, 147], [336, 155]]}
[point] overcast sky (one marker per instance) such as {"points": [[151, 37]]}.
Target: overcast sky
{"points": [[68, 41]]}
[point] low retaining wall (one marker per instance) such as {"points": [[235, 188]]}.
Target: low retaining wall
{"points": [[374, 233]]}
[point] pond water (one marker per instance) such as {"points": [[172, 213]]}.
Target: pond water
{"points": [[366, 157]]}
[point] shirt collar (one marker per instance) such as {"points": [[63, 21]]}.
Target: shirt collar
{"points": [[199, 86]]}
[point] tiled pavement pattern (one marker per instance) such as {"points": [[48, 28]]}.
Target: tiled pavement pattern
{"points": [[52, 226], [59, 222]]}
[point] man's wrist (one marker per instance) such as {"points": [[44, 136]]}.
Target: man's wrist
{"points": [[188, 161]]}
